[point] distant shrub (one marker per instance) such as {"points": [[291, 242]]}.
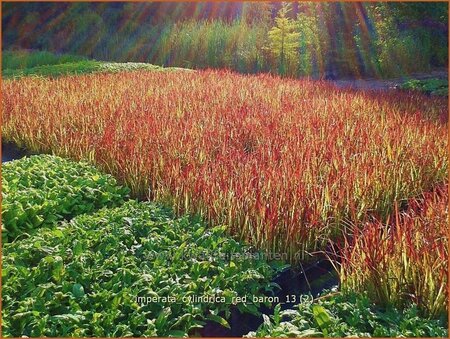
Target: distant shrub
{"points": [[23, 59], [22, 63], [431, 86]]}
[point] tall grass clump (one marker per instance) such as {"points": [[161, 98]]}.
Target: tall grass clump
{"points": [[405, 260]]}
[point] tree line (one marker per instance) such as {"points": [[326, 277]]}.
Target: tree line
{"points": [[293, 39]]}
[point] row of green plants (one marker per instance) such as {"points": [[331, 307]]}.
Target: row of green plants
{"points": [[78, 67], [347, 315], [39, 190], [89, 274], [23, 59], [18, 63], [133, 270]]}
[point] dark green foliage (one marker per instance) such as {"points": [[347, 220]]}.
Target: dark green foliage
{"points": [[348, 315], [83, 277], [25, 59], [40, 190], [79, 67], [431, 86]]}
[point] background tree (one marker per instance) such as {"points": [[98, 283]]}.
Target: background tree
{"points": [[284, 39]]}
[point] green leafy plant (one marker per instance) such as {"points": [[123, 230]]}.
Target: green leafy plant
{"points": [[347, 315], [39, 190], [112, 274]]}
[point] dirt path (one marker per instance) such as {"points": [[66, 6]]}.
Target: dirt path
{"points": [[385, 84]]}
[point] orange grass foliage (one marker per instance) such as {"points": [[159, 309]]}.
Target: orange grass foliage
{"points": [[282, 162]]}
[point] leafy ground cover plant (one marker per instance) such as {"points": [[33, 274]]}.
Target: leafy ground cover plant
{"points": [[347, 315], [283, 163], [39, 190], [85, 277], [404, 260]]}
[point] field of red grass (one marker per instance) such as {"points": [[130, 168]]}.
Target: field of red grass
{"points": [[284, 163]]}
